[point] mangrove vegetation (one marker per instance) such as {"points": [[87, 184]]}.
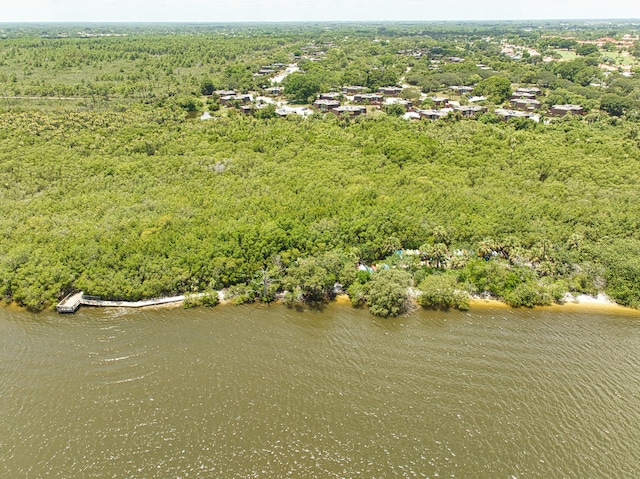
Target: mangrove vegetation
{"points": [[111, 183]]}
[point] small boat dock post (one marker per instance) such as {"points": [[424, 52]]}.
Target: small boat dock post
{"points": [[70, 303]]}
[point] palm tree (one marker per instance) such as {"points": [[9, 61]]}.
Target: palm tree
{"points": [[439, 254]]}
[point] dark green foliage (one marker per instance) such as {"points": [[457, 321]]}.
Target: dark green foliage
{"points": [[387, 292], [558, 42], [586, 49], [189, 103], [207, 87], [395, 109], [316, 276], [496, 88], [615, 105], [301, 87]]}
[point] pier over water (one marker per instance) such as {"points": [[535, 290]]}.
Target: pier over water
{"points": [[70, 303], [74, 300]]}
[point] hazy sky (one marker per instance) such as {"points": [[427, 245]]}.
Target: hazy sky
{"points": [[308, 10]]}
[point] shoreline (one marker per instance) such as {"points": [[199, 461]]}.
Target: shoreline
{"points": [[582, 302]]}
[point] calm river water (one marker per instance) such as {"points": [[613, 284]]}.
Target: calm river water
{"points": [[273, 392]]}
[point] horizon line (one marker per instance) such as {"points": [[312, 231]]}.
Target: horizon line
{"points": [[265, 22]]}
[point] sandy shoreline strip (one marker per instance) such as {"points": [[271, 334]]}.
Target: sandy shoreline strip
{"points": [[580, 302], [571, 303]]}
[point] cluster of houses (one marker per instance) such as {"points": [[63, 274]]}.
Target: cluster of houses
{"points": [[523, 103], [272, 69], [331, 102]]}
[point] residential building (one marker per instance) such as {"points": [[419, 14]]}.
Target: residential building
{"points": [[439, 101], [407, 104], [561, 110], [519, 94], [461, 90], [507, 115], [525, 104], [332, 95], [349, 110], [431, 114], [469, 110], [326, 105], [368, 98], [531, 90], [273, 91], [353, 90], [390, 90]]}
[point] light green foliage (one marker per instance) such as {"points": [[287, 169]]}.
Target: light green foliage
{"points": [[410, 94], [442, 291], [191, 301], [358, 293], [266, 112], [130, 225], [210, 299], [241, 294], [622, 261]]}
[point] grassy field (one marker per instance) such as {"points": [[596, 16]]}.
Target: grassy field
{"points": [[567, 55], [621, 58]]}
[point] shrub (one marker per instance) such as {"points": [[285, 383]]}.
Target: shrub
{"points": [[442, 291], [388, 292], [358, 293], [241, 294], [528, 294], [210, 299], [191, 301]]}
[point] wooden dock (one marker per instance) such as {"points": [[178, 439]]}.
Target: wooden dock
{"points": [[92, 301], [73, 301], [70, 303]]}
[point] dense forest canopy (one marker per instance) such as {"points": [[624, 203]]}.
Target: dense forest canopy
{"points": [[110, 182]]}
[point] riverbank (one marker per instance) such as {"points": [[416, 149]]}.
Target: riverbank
{"points": [[580, 302]]}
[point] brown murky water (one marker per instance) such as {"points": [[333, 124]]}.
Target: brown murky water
{"points": [[270, 392]]}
